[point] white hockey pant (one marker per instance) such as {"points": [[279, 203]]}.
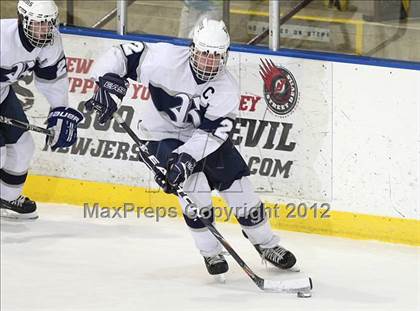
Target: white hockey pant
{"points": [[245, 205], [14, 164]]}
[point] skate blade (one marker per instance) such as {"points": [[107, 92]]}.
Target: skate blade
{"points": [[220, 278], [9, 215], [304, 294], [294, 269]]}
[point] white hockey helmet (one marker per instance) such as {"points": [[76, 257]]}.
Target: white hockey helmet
{"points": [[39, 19], [209, 49]]}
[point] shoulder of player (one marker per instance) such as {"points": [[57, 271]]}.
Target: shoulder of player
{"points": [[225, 100], [227, 81], [57, 44], [227, 84], [165, 54], [8, 22], [52, 51], [8, 27], [165, 47]]}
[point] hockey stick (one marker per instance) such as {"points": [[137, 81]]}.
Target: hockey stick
{"points": [[288, 286], [26, 126]]}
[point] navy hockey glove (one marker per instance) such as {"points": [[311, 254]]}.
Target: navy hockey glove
{"points": [[163, 183], [64, 121], [111, 91], [179, 167]]}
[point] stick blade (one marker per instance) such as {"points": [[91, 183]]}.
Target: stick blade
{"points": [[288, 286]]}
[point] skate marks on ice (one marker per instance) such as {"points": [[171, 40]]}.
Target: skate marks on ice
{"points": [[63, 261], [66, 222]]}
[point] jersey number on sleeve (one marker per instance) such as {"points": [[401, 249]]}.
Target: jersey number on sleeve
{"points": [[131, 48], [224, 129]]}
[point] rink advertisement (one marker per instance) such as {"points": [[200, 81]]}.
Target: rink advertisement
{"points": [[299, 146], [281, 121], [291, 120]]}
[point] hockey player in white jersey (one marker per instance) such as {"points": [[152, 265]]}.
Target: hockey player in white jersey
{"points": [[31, 43], [195, 101]]}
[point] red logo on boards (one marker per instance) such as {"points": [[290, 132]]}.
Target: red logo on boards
{"points": [[280, 88]]}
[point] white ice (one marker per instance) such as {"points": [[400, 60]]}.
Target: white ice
{"points": [[64, 261]]}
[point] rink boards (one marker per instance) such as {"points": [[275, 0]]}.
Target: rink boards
{"points": [[332, 145]]}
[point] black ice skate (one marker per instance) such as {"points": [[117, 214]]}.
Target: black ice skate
{"points": [[277, 256], [21, 208], [216, 264]]}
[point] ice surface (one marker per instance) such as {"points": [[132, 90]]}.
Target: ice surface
{"points": [[63, 261]]}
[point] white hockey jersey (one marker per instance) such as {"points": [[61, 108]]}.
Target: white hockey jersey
{"points": [[19, 58], [201, 114]]}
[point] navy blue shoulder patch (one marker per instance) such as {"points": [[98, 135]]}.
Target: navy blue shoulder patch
{"points": [[133, 52], [51, 72]]}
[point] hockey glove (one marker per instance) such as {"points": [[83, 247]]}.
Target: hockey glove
{"points": [[163, 183], [64, 121], [111, 91], [179, 167]]}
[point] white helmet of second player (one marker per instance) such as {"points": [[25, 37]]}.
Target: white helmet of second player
{"points": [[39, 20], [209, 49]]}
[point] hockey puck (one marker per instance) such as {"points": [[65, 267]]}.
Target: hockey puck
{"points": [[304, 294], [220, 278]]}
